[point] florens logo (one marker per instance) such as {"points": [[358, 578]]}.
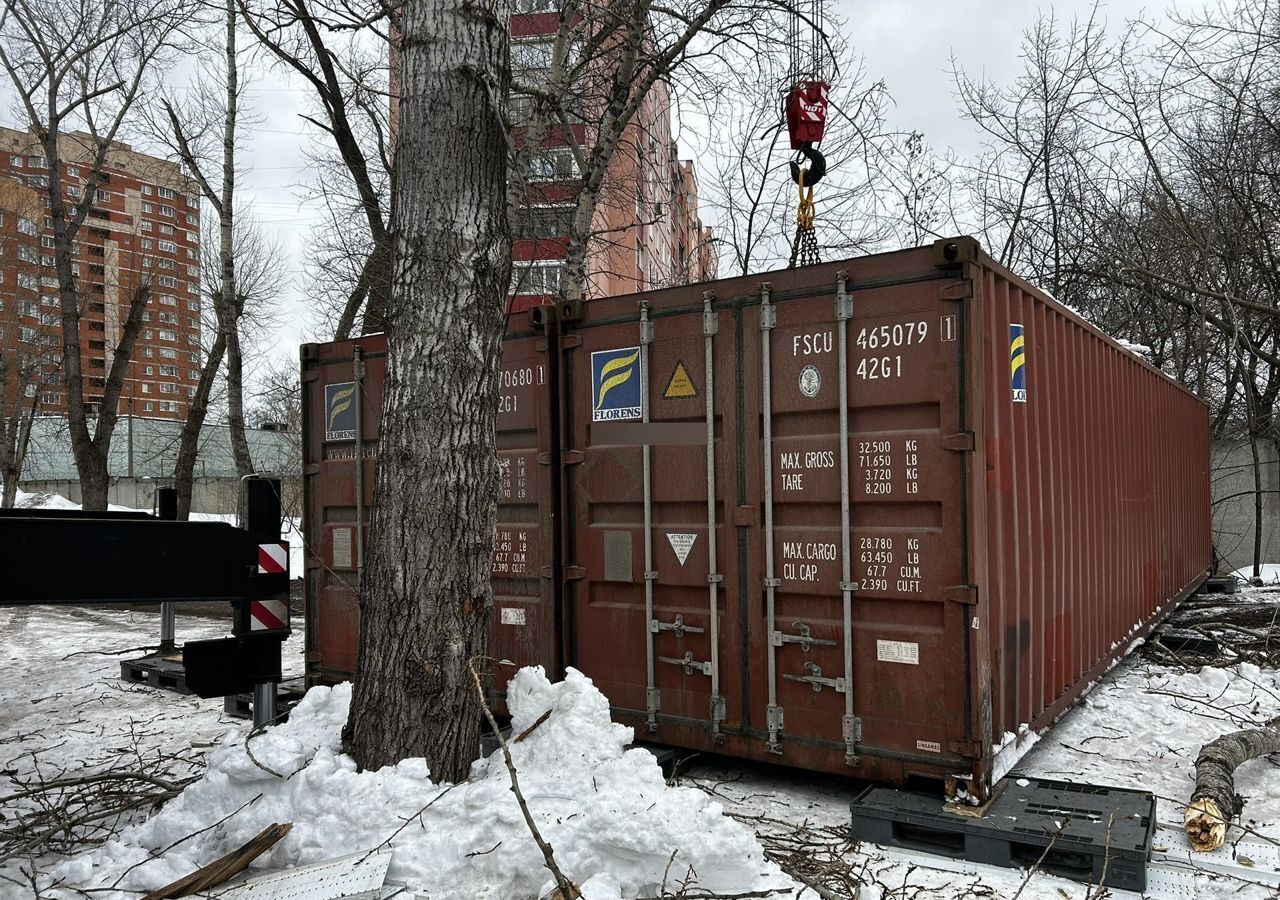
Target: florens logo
{"points": [[615, 384], [1017, 364], [340, 411]]}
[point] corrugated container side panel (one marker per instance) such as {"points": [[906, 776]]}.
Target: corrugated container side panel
{"points": [[1090, 478]]}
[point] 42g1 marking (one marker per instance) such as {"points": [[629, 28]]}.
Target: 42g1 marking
{"points": [[901, 334]]}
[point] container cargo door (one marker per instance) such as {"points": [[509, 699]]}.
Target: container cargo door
{"points": [[862, 543], [524, 613], [650, 424], [342, 415]]}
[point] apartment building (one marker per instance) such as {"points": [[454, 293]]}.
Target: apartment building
{"points": [[646, 229], [143, 228]]}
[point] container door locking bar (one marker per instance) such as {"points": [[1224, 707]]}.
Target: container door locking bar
{"points": [[850, 725], [710, 328], [689, 664], [676, 626], [652, 696], [768, 320], [804, 638], [815, 678]]}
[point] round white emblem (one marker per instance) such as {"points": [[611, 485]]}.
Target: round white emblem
{"points": [[810, 381]]}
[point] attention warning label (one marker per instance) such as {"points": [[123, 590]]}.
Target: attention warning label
{"points": [[681, 385], [681, 544]]}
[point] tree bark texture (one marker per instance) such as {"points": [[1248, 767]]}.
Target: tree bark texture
{"points": [[426, 598], [1215, 802]]}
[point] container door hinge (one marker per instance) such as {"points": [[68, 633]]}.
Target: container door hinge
{"points": [[677, 627], [313, 656], [688, 663], [311, 469], [569, 341], [814, 679], [773, 719], [852, 728], [957, 290], [746, 516], [574, 573], [653, 703], [961, 441], [804, 638], [966, 594], [573, 457], [965, 747]]}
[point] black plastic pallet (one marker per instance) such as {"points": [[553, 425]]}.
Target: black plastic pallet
{"points": [[164, 672], [1098, 835], [1219, 584]]}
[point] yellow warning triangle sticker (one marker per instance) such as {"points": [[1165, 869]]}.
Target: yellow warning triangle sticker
{"points": [[680, 385]]}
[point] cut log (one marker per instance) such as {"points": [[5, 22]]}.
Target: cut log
{"points": [[218, 871], [1215, 801]]}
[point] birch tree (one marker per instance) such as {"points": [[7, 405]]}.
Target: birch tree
{"points": [[84, 68]]}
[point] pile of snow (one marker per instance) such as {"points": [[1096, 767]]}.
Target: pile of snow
{"points": [[607, 811]]}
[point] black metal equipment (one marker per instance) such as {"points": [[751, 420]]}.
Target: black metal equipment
{"points": [[89, 557]]}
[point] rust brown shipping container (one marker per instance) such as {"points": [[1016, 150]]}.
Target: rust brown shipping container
{"points": [[874, 517]]}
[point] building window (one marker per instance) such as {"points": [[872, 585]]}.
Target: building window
{"points": [[37, 162], [47, 261], [146, 389], [73, 191], [167, 193], [147, 351], [28, 335], [27, 254], [193, 374], [193, 303], [16, 161], [26, 226], [193, 323], [544, 222], [146, 370], [166, 263], [168, 300], [28, 308], [147, 243], [39, 181], [191, 220], [168, 406], [166, 228], [46, 240], [168, 247], [48, 281], [49, 300], [171, 371], [146, 316], [169, 318], [146, 189], [28, 281], [73, 171], [167, 211], [147, 207], [167, 281], [554, 164], [538, 277], [167, 335], [145, 225], [168, 353], [104, 196], [168, 388]]}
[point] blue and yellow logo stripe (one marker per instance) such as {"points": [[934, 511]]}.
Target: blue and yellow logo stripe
{"points": [[614, 373], [1017, 364]]}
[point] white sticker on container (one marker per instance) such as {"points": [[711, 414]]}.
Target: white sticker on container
{"points": [[898, 652], [929, 746], [342, 548], [681, 544], [512, 615]]}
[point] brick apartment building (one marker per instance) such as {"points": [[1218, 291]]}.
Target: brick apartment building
{"points": [[144, 224], [647, 230]]}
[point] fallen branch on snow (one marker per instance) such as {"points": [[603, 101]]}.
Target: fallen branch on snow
{"points": [[1215, 801], [220, 870]]}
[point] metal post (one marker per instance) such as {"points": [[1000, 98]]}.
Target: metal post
{"points": [[710, 327], [768, 319], [262, 516], [653, 698], [130, 437], [851, 727], [357, 367], [167, 509]]}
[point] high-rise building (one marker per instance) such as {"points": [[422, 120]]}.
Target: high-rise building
{"points": [[143, 227], [646, 232]]}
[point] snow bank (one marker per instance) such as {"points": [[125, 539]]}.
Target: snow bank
{"points": [[1269, 574], [605, 809]]}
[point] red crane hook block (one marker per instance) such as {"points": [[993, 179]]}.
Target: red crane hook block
{"points": [[807, 112]]}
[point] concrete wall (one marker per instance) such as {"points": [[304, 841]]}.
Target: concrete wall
{"points": [[208, 495], [1233, 503]]}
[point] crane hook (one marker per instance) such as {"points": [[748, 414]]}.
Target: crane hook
{"points": [[817, 165]]}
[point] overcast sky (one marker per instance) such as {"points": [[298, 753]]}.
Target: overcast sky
{"points": [[908, 43]]}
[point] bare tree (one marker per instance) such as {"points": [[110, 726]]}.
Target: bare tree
{"points": [[328, 46], [203, 134], [86, 66]]}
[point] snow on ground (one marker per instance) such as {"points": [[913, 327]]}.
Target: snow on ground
{"points": [[1268, 573], [64, 709], [604, 809]]}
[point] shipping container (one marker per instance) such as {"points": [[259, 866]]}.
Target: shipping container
{"points": [[876, 517]]}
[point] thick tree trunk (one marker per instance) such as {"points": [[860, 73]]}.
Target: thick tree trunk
{"points": [[1215, 802], [426, 596], [184, 467]]}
